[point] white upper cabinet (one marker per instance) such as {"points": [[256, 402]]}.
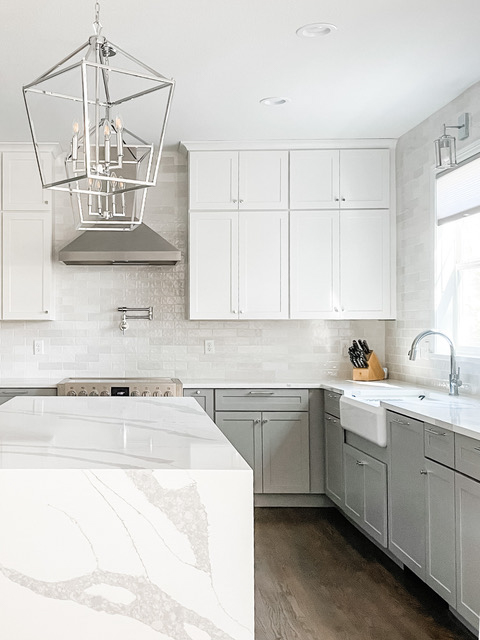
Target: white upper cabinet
{"points": [[231, 180], [22, 188], [314, 179], [263, 260], [340, 264], [238, 265], [364, 178], [263, 180], [314, 264], [297, 231], [213, 264], [27, 265], [340, 178], [214, 180], [365, 264]]}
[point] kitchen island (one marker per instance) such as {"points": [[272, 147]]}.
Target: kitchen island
{"points": [[122, 518]]}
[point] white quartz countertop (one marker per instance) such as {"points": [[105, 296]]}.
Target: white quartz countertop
{"points": [[112, 433]]}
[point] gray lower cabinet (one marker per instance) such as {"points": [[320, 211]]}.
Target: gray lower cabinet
{"points": [[7, 393], [243, 429], [366, 492], [204, 397], [406, 492], [275, 444], [467, 494], [440, 531], [334, 438], [285, 451]]}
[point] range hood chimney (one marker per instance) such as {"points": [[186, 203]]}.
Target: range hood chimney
{"points": [[142, 246]]}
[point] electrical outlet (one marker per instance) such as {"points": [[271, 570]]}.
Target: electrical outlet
{"points": [[209, 346], [38, 347], [344, 344]]}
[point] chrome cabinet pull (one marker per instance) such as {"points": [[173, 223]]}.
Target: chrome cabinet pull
{"points": [[256, 421], [476, 448], [261, 393], [197, 392], [360, 463], [400, 422], [9, 393], [423, 472], [436, 433]]}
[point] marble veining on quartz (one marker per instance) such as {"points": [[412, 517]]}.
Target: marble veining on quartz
{"points": [[111, 433]]}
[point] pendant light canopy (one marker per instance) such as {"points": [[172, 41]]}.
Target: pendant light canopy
{"points": [[108, 111]]}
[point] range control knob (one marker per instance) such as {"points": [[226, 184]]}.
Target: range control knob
{"points": [[94, 393], [168, 394], [146, 393], [71, 393], [104, 393], [82, 392], [156, 394], [135, 393]]}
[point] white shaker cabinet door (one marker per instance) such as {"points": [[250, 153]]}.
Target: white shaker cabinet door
{"points": [[263, 265], [263, 180], [27, 266], [213, 180], [365, 264], [365, 178], [314, 264], [213, 263], [314, 179], [22, 187]]}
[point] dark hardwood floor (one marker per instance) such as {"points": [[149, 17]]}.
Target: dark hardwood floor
{"points": [[318, 578]]}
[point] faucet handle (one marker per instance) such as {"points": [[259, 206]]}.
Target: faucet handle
{"points": [[457, 378]]}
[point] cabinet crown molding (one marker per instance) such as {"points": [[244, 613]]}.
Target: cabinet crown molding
{"points": [[286, 145]]}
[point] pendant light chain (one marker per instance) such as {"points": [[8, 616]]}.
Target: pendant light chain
{"points": [[97, 25]]}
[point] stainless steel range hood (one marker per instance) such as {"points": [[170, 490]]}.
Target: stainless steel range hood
{"points": [[142, 246]]}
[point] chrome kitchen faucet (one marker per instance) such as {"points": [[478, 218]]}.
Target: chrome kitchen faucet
{"points": [[454, 377]]}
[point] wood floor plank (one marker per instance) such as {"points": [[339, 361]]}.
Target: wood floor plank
{"points": [[318, 578]]}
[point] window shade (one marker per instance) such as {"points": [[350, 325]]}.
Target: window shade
{"points": [[458, 192]]}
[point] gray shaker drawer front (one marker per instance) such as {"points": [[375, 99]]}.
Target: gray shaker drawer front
{"points": [[261, 400], [332, 403], [439, 445], [467, 456]]}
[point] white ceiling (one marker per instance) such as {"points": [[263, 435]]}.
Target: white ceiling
{"points": [[390, 64]]}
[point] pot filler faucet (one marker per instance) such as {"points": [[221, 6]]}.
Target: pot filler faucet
{"points": [[454, 377]]}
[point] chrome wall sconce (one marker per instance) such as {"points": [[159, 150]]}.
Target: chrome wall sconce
{"points": [[108, 111], [446, 145]]}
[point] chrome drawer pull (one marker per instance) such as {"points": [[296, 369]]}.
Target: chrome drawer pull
{"points": [[435, 433], [360, 463], [400, 422], [9, 393], [476, 448], [261, 393], [423, 472]]}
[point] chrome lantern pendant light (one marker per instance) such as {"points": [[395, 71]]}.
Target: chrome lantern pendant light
{"points": [[108, 111]]}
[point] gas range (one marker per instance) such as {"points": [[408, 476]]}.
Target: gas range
{"points": [[135, 387]]}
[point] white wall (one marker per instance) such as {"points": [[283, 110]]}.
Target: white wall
{"points": [[415, 247], [85, 340]]}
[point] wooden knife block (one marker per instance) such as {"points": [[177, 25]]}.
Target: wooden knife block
{"points": [[374, 370]]}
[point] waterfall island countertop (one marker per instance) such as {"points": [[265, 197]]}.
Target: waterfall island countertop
{"points": [[122, 518]]}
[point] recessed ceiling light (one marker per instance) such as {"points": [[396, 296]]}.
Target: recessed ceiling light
{"points": [[316, 29], [274, 101]]}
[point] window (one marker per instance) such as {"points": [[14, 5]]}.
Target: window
{"points": [[458, 256]]}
